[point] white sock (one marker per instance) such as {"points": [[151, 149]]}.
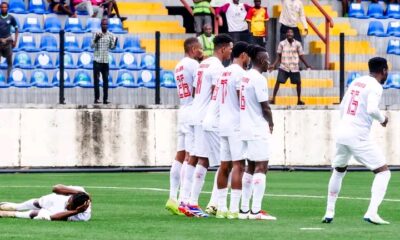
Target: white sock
{"points": [[185, 194], [28, 205], [335, 184], [258, 191], [198, 182], [247, 189], [183, 171], [230, 179], [222, 197], [378, 191], [214, 194], [174, 179], [26, 214], [235, 199]]}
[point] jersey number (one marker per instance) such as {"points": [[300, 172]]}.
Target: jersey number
{"points": [[353, 105], [199, 80], [242, 99], [183, 88], [224, 84]]}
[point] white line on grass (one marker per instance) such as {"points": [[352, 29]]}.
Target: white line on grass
{"points": [[166, 190], [311, 229]]}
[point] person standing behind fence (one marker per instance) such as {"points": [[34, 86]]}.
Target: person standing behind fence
{"points": [[102, 42], [201, 12], [257, 18], [292, 13], [6, 41], [207, 40]]}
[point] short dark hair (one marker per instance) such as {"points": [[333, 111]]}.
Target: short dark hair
{"points": [[377, 65], [253, 51], [221, 40], [239, 48], [6, 3], [79, 199], [189, 43]]}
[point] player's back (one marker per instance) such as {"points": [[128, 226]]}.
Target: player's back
{"points": [[184, 75]]}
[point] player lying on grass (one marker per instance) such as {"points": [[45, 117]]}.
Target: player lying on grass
{"points": [[66, 203]]}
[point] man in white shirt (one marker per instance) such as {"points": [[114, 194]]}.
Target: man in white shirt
{"points": [[229, 125], [256, 125], [206, 78], [292, 13], [359, 107], [184, 75], [66, 203]]}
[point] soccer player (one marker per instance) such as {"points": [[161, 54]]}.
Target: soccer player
{"points": [[359, 107], [66, 203], [207, 152], [256, 126], [184, 75], [229, 125]]}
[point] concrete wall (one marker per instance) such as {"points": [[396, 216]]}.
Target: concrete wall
{"points": [[70, 137]]}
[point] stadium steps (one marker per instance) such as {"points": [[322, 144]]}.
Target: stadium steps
{"points": [[142, 8], [351, 47], [167, 45], [319, 100], [305, 83], [153, 26], [309, 10]]}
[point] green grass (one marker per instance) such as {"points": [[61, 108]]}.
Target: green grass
{"points": [[129, 213]]}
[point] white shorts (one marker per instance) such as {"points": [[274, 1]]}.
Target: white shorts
{"points": [[53, 203], [185, 138], [200, 146], [231, 148], [213, 144], [364, 152], [257, 150]]}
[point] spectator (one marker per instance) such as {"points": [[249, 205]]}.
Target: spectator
{"points": [[257, 18], [236, 19], [109, 6], [102, 42], [201, 12], [207, 40], [61, 7], [289, 52], [346, 5], [86, 5], [6, 41], [292, 13]]}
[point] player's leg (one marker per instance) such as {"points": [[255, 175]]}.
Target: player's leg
{"points": [[214, 160], [238, 166], [211, 208], [282, 78], [247, 185], [222, 178], [31, 204], [16, 214], [295, 78]]}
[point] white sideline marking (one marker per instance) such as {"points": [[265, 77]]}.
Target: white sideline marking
{"points": [[311, 229], [167, 190]]}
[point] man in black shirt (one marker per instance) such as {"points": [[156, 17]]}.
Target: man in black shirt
{"points": [[6, 41]]}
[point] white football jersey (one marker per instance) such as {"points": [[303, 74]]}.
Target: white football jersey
{"points": [[360, 105], [207, 75], [253, 91], [228, 85], [184, 75]]}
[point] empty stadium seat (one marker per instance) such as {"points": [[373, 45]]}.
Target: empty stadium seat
{"points": [[48, 43], [132, 44], [67, 80], [126, 79], [115, 26], [3, 63], [68, 61], [22, 60], [146, 79], [87, 44], [31, 24], [83, 79], [376, 28], [43, 60], [356, 11], [74, 25], [148, 61], [393, 29], [52, 25], [393, 81], [27, 43], [37, 6], [93, 25], [71, 44], [20, 30], [167, 79], [112, 65], [17, 6], [117, 48], [351, 77], [40, 79], [3, 82], [393, 11], [128, 61], [85, 60], [375, 10], [18, 79], [393, 47]]}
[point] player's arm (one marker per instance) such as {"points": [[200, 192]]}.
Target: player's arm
{"points": [[277, 61], [267, 114], [63, 216], [373, 110], [64, 190]]}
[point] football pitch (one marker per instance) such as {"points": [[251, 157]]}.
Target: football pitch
{"points": [[131, 206]]}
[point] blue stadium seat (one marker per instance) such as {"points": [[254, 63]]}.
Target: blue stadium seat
{"points": [[132, 44], [356, 11], [71, 44], [17, 6], [128, 61], [115, 26], [37, 6], [376, 28], [83, 79], [43, 60], [48, 43], [393, 11], [393, 81], [148, 62], [126, 79], [118, 48], [3, 63], [68, 61], [167, 79], [73, 25], [112, 65], [351, 77], [85, 60], [31, 24], [67, 80], [375, 10], [3, 82], [27, 43], [87, 44], [393, 47], [22, 60], [52, 25], [147, 79], [393, 29], [93, 25], [40, 79], [20, 29], [18, 79]]}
